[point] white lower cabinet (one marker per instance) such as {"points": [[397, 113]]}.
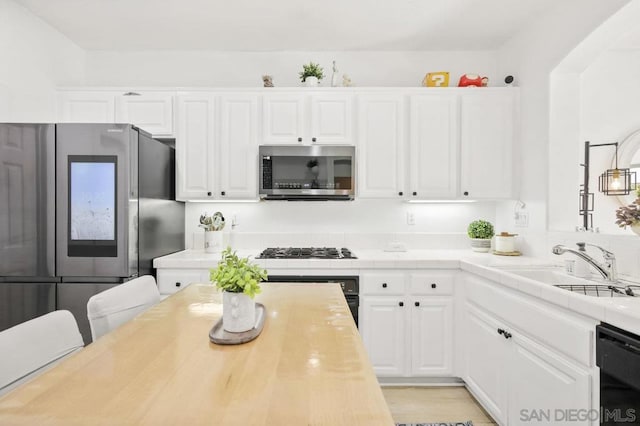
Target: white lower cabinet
{"points": [[405, 332], [518, 379], [173, 280]]}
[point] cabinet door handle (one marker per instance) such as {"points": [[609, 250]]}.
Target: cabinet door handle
{"points": [[223, 193], [299, 139], [384, 285], [400, 193], [433, 285], [507, 335], [465, 193], [415, 193], [178, 284], [313, 139], [417, 303], [209, 193], [401, 304], [500, 331]]}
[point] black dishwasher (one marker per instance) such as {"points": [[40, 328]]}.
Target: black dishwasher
{"points": [[618, 356]]}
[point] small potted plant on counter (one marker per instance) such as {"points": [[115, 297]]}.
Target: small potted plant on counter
{"points": [[480, 231], [239, 279], [311, 74], [629, 215]]}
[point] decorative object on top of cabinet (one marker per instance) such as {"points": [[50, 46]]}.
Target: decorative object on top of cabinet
{"points": [[311, 74], [346, 80], [480, 231], [239, 279], [436, 79], [267, 80], [472, 80], [334, 76], [509, 81]]}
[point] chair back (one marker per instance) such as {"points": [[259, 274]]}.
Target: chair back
{"points": [[112, 308], [32, 347]]}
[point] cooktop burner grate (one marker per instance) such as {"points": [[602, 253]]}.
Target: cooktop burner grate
{"points": [[306, 253]]}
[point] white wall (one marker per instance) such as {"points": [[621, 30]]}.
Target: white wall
{"points": [[36, 59], [340, 223], [531, 56], [244, 69]]}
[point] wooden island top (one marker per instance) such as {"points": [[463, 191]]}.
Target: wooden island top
{"points": [[308, 367]]}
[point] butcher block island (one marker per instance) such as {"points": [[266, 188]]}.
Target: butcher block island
{"points": [[307, 367]]}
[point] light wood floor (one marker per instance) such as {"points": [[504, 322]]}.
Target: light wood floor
{"points": [[434, 404]]}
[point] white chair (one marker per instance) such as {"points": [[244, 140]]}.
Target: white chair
{"points": [[112, 308], [30, 348]]}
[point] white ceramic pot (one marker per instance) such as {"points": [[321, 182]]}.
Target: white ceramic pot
{"points": [[213, 241], [238, 312], [636, 229], [505, 243], [311, 81], [480, 245]]}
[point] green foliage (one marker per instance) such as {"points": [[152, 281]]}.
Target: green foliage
{"points": [[311, 70], [237, 275], [480, 229]]}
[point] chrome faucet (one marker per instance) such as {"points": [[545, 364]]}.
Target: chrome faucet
{"points": [[606, 269]]}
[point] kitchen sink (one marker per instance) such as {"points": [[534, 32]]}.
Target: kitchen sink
{"points": [[594, 288]]}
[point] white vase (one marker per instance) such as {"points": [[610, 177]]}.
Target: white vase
{"points": [[635, 229], [213, 241], [311, 81], [480, 245], [238, 312]]}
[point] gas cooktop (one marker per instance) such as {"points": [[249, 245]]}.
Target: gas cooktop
{"points": [[306, 253]]}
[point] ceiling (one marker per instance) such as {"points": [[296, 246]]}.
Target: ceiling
{"points": [[254, 25]]}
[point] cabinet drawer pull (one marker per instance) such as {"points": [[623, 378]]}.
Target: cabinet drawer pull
{"points": [[415, 193], [465, 193], [507, 335], [209, 193], [178, 284], [400, 193], [417, 303], [299, 139], [223, 193], [384, 285], [433, 285], [401, 304], [313, 139], [500, 331]]}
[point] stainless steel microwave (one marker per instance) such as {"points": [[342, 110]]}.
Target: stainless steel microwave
{"points": [[316, 172]]}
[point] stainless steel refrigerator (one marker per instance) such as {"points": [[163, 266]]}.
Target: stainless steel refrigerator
{"points": [[83, 207]]}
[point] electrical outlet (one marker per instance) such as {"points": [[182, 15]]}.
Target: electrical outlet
{"points": [[522, 219], [411, 219]]}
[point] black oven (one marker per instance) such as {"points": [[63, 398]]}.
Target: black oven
{"points": [[350, 287], [618, 356]]}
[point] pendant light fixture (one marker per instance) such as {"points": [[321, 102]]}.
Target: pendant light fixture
{"points": [[612, 182]]}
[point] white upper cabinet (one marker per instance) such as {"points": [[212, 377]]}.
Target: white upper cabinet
{"points": [[331, 119], [433, 146], [86, 107], [195, 153], [380, 152], [238, 160], [151, 111], [487, 134], [283, 119], [317, 118]]}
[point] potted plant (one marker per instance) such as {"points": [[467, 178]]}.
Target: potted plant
{"points": [[239, 279], [311, 74], [480, 231], [629, 215]]}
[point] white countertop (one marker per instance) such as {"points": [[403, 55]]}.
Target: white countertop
{"points": [[623, 312]]}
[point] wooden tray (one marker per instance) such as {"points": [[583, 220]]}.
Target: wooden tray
{"points": [[221, 337], [507, 253]]}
